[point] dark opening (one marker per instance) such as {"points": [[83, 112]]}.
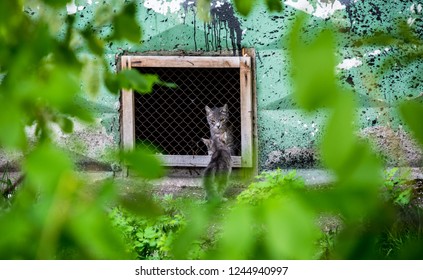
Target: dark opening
{"points": [[174, 120]]}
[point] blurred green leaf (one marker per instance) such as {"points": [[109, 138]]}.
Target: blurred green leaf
{"points": [[95, 235], [12, 133], [79, 108], [90, 76], [56, 3], [80, 2], [111, 81], [65, 124], [9, 10], [125, 24], [338, 141], [244, 7], [290, 236], [141, 204], [378, 39], [199, 217], [412, 113], [239, 235], [103, 15], [143, 163], [45, 166], [132, 79], [313, 67], [95, 44], [203, 9], [55, 85], [274, 5], [402, 34]]}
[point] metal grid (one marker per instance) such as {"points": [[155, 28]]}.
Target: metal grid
{"points": [[174, 120]]}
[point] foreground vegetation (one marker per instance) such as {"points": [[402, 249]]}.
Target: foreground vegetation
{"points": [[154, 237], [51, 216]]}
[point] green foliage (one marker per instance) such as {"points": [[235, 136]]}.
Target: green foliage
{"points": [[203, 9], [396, 188], [274, 5], [51, 216], [244, 7], [315, 87], [156, 237], [412, 113], [125, 24], [276, 217], [270, 184], [56, 3], [143, 163], [262, 224], [148, 238], [5, 180]]}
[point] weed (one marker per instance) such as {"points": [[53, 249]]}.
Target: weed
{"points": [[395, 188], [147, 238], [270, 184]]}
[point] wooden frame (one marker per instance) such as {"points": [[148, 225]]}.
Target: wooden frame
{"points": [[247, 111]]}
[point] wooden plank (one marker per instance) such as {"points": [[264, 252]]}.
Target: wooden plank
{"points": [[250, 52], [246, 112], [128, 111], [192, 161], [185, 61]]}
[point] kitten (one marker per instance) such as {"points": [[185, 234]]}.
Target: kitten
{"points": [[217, 172], [218, 119], [209, 145]]}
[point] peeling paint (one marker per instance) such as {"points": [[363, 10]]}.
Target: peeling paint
{"points": [[164, 7], [416, 8], [321, 8], [349, 63], [72, 8]]}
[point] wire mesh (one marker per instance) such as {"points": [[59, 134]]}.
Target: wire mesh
{"points": [[173, 120]]}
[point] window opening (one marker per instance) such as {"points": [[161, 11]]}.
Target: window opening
{"points": [[174, 119]]}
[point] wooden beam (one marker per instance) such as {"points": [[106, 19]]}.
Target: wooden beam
{"points": [[246, 112], [184, 61], [192, 161], [128, 111]]}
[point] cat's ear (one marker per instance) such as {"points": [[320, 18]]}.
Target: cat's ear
{"points": [[225, 108], [208, 110]]}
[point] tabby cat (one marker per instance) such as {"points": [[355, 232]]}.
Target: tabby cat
{"points": [[217, 172], [218, 119]]}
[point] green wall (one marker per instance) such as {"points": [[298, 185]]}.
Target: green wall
{"points": [[286, 135]]}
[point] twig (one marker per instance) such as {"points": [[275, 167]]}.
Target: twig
{"points": [[11, 188]]}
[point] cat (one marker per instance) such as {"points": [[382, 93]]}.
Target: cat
{"points": [[209, 145], [218, 119], [217, 172]]}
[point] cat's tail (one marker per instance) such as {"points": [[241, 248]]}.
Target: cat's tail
{"points": [[208, 184]]}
